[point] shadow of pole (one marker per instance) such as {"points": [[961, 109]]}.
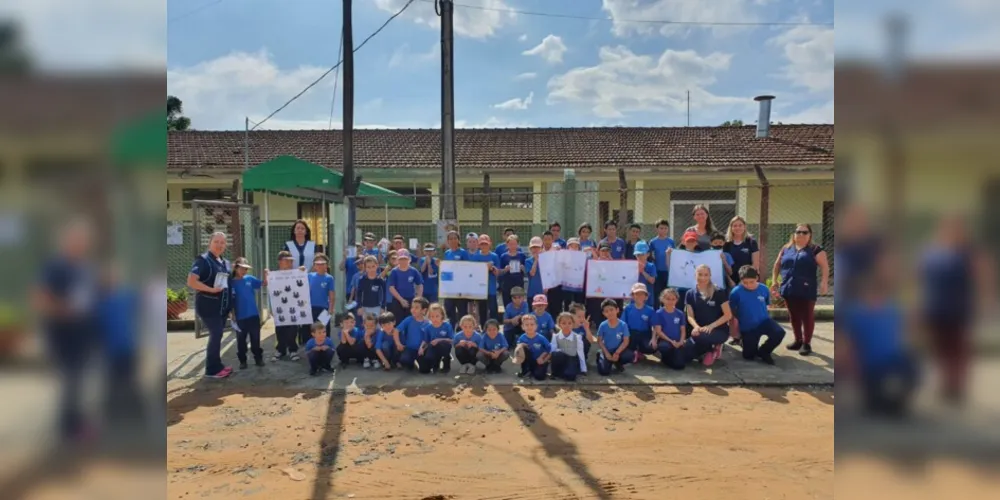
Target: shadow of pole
{"points": [[329, 445], [553, 441]]}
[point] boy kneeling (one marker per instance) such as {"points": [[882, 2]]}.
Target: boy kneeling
{"points": [[613, 338], [749, 301]]}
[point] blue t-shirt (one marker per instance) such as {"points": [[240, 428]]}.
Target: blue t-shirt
{"points": [[617, 248], [444, 331], [359, 333], [876, 334], [612, 336], [476, 338], [510, 312], [494, 343], [546, 325], [583, 334], [460, 254], [244, 298], [320, 286], [430, 277], [411, 332], [671, 322], [383, 340], [311, 344], [649, 269], [370, 292], [534, 282], [638, 319], [561, 242], [658, 248], [350, 271], [406, 282], [490, 258], [511, 278], [586, 243], [750, 306], [538, 344]]}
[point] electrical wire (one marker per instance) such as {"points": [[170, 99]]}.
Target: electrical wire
{"points": [[335, 66], [637, 21], [193, 11], [336, 79]]}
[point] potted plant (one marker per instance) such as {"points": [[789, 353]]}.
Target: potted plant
{"points": [[11, 329], [177, 303], [777, 302]]}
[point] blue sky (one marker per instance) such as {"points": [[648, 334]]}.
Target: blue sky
{"points": [[233, 59]]}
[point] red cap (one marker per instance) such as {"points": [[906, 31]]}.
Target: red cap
{"points": [[690, 235]]}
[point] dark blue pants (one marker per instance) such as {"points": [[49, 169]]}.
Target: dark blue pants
{"points": [[490, 362], [408, 357], [555, 296], [71, 352], [889, 385], [572, 297], [531, 366], [508, 284], [705, 342], [392, 355], [398, 311], [565, 366], [659, 286], [512, 334], [488, 310], [674, 357], [249, 330], [604, 365], [751, 339], [319, 359], [213, 351], [681, 293], [287, 338], [358, 352], [641, 341], [436, 357], [466, 354], [454, 309]]}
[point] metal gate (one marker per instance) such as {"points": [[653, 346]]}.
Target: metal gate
{"points": [[241, 223]]}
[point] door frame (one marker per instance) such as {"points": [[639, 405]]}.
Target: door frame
{"points": [[708, 203]]}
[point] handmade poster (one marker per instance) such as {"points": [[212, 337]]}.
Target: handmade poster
{"points": [[549, 270], [565, 267], [324, 317], [443, 228], [612, 279], [414, 244], [458, 279], [684, 263], [175, 234], [288, 292]]}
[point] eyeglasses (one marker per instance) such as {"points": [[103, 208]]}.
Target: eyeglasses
{"points": [[801, 232]]}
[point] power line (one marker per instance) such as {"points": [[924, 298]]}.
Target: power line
{"points": [[638, 21], [335, 66], [193, 11], [336, 78]]}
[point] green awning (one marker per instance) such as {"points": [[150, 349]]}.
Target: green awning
{"points": [[141, 144], [297, 178]]}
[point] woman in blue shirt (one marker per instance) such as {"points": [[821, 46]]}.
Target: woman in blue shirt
{"points": [[209, 277], [798, 263]]}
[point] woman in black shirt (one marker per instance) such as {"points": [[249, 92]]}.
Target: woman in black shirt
{"points": [[708, 315]]}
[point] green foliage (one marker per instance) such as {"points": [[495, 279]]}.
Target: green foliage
{"points": [[732, 123], [179, 295], [175, 119], [10, 316]]}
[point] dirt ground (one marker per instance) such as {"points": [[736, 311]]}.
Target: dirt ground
{"points": [[486, 442]]}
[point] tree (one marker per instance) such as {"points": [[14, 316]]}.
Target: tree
{"points": [[175, 120], [732, 123], [13, 57]]}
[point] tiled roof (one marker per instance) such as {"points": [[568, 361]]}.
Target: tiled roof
{"points": [[536, 148]]}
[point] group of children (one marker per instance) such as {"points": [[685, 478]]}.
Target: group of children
{"points": [[403, 325]]}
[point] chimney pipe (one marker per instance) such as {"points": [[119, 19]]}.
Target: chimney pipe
{"points": [[764, 117]]}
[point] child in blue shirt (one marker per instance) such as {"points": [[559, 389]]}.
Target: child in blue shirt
{"points": [[405, 284], [546, 325], [512, 314], [512, 269], [534, 273], [579, 312], [455, 308], [615, 244], [467, 344], [369, 289], [748, 302], [435, 350], [411, 332], [321, 295], [352, 341], [638, 317], [533, 351], [319, 350], [429, 266], [371, 340], [670, 326], [493, 350], [660, 248], [647, 270], [388, 345], [244, 287], [488, 308], [718, 243], [613, 339]]}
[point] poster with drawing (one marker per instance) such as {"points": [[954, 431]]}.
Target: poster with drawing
{"points": [[288, 293], [684, 263], [563, 267], [612, 279], [175, 233], [458, 279]]}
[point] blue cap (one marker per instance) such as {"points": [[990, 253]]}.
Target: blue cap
{"points": [[641, 248]]}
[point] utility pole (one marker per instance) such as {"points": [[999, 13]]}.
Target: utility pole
{"points": [[689, 108], [449, 210], [348, 126]]}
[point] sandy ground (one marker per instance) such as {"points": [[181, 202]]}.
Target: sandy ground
{"points": [[488, 442]]}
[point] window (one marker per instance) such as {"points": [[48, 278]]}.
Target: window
{"points": [[187, 195], [421, 196], [505, 197]]}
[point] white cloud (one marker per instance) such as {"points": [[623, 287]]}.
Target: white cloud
{"points": [[523, 38], [623, 82], [516, 103], [491, 122], [469, 22], [403, 56], [551, 49], [525, 76], [809, 51], [821, 113], [623, 11]]}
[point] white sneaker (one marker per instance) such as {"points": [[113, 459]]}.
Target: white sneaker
{"points": [[376, 365], [368, 363], [470, 369]]}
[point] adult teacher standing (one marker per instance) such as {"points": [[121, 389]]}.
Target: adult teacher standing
{"points": [[210, 279], [798, 263], [703, 227], [301, 245]]}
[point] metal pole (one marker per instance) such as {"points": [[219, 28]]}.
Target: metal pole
{"points": [[267, 229], [246, 149], [387, 218], [449, 210], [348, 131], [689, 108]]}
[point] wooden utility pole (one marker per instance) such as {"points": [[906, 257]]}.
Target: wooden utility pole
{"points": [[348, 125], [449, 208]]}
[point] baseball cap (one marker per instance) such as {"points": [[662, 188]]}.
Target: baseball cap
{"points": [[242, 262], [485, 238], [517, 292], [398, 237], [540, 300], [690, 235], [403, 253], [471, 236], [573, 241], [369, 237], [641, 248], [604, 246], [535, 242], [639, 287]]}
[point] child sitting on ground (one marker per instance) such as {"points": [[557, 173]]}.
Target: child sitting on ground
{"points": [[638, 316], [352, 343], [319, 350], [748, 302], [546, 325], [388, 345], [613, 339], [370, 338], [670, 326], [568, 359], [533, 351], [493, 350], [411, 332], [435, 350], [579, 312], [467, 344]]}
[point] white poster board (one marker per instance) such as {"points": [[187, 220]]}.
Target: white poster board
{"points": [[175, 233], [683, 264], [611, 279], [563, 267], [288, 293], [458, 279]]}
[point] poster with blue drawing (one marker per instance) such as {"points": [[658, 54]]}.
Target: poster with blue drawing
{"points": [[459, 279], [288, 294], [684, 263], [611, 279]]}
